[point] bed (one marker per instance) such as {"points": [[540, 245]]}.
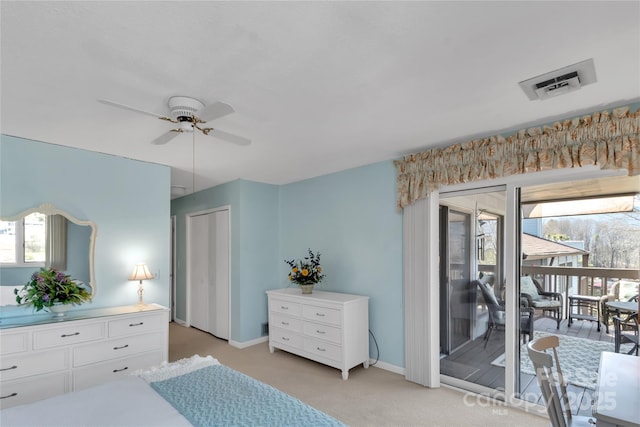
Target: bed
{"points": [[198, 391]]}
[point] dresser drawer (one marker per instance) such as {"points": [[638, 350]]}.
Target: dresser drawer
{"points": [[282, 336], [24, 365], [18, 392], [284, 322], [286, 307], [322, 314], [323, 349], [323, 332], [70, 334], [14, 343], [112, 349], [136, 325], [99, 373]]}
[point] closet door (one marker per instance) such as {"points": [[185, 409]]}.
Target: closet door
{"points": [[199, 271], [209, 272]]}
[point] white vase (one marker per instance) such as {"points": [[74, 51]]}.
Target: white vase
{"points": [[60, 309]]}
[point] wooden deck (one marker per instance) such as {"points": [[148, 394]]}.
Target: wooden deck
{"points": [[472, 362]]}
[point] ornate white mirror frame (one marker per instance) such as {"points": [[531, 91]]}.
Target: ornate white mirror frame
{"points": [[50, 209]]}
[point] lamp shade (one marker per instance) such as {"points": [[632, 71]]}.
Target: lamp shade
{"points": [[141, 272]]}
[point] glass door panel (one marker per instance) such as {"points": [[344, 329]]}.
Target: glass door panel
{"points": [[456, 287], [472, 321]]}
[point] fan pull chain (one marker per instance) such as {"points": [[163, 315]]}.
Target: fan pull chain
{"points": [[193, 165]]}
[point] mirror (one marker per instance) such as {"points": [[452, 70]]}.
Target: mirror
{"points": [[69, 247]]}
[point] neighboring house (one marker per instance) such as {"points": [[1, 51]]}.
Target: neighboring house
{"points": [[539, 251]]}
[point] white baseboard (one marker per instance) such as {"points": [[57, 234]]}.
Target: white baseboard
{"points": [[246, 344], [387, 367], [240, 345]]}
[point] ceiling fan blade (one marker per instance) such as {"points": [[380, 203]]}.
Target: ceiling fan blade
{"points": [[229, 137], [126, 107], [214, 111], [166, 137]]}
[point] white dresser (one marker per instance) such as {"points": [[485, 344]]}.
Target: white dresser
{"points": [[82, 349], [328, 327]]}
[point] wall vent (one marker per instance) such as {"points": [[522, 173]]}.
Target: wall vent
{"points": [[561, 81]]}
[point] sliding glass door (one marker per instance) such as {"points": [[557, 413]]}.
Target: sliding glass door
{"points": [[472, 289], [456, 309]]}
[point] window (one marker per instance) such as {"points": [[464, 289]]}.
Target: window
{"points": [[23, 242]]}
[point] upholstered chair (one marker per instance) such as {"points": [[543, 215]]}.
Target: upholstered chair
{"points": [[548, 304]]}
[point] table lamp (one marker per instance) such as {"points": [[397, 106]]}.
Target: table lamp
{"points": [[140, 272]]}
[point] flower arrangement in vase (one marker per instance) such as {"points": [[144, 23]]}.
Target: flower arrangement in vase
{"points": [[306, 272], [50, 288]]}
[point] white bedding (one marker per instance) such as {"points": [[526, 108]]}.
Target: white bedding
{"points": [[127, 402], [207, 395]]}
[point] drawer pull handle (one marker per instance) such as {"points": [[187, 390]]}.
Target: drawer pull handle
{"points": [[69, 335], [320, 314], [321, 349], [283, 307], [319, 331], [8, 369], [285, 323], [136, 324], [285, 339], [121, 347], [9, 395], [120, 370]]}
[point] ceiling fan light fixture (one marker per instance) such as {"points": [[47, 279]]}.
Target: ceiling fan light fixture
{"points": [[186, 125], [184, 106], [188, 113]]}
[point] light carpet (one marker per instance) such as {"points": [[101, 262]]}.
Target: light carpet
{"points": [[579, 359]]}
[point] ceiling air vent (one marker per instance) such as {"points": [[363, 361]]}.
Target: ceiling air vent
{"points": [[560, 81]]}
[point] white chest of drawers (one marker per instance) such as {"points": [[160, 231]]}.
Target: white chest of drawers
{"points": [[87, 348], [328, 327]]}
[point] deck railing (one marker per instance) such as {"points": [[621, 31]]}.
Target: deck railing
{"points": [[592, 281]]}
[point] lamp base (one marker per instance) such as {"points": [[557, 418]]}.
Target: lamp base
{"points": [[140, 292]]}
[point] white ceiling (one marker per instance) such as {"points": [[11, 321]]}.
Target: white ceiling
{"points": [[317, 86]]}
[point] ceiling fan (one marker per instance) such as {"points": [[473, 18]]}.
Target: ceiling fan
{"points": [[189, 114]]}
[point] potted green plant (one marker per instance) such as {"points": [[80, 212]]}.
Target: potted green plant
{"points": [[306, 272], [53, 290]]}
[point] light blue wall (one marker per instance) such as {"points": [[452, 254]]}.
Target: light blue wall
{"points": [[128, 200], [350, 217], [78, 249], [259, 237], [254, 239]]}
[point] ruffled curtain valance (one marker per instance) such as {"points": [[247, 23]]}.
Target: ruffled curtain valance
{"points": [[608, 139]]}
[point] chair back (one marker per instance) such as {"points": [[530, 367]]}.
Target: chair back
{"points": [[630, 326], [490, 299], [553, 388], [530, 287], [624, 290]]}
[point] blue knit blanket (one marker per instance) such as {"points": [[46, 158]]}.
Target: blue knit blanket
{"points": [[220, 396]]}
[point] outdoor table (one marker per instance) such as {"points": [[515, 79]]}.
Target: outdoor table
{"points": [[588, 302], [617, 390]]}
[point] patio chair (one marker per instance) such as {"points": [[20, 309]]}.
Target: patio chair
{"points": [[497, 313], [626, 332], [622, 290], [549, 304], [553, 388]]}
